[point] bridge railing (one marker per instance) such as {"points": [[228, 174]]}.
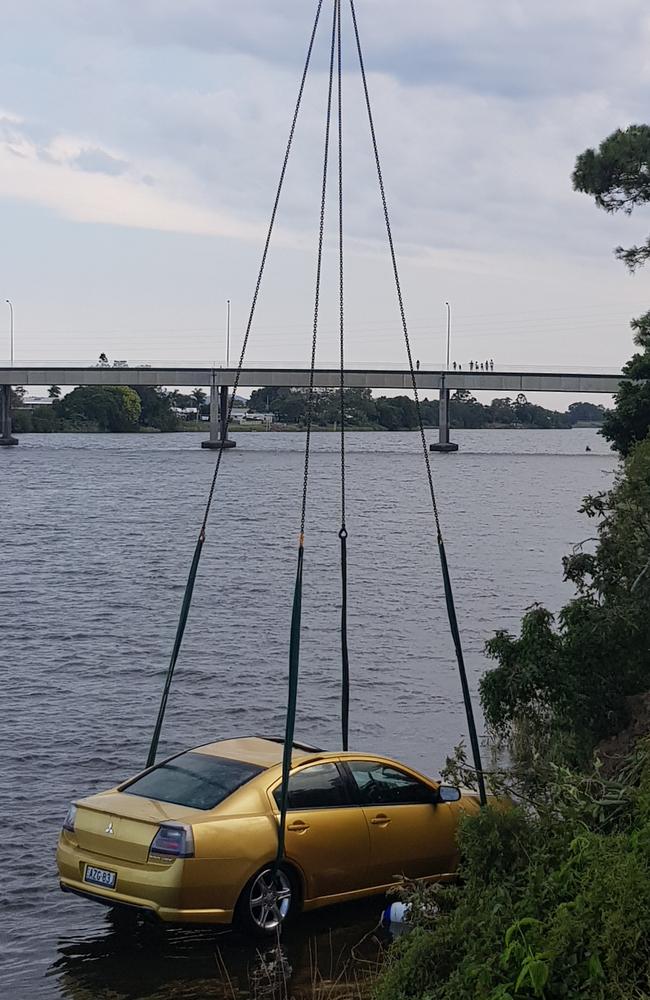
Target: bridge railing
{"points": [[354, 364]]}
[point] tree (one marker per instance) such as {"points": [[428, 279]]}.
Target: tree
{"points": [[586, 413], [629, 421], [618, 176], [502, 411], [262, 400], [156, 408], [199, 396], [114, 408], [54, 392], [562, 683]]}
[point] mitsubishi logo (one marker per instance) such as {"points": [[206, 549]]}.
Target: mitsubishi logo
{"points": [[109, 829]]}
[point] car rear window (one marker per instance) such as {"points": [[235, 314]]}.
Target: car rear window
{"points": [[196, 780]]}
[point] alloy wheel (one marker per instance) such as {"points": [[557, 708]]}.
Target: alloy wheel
{"points": [[270, 899]]}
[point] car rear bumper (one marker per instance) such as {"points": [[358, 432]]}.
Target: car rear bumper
{"points": [[146, 906], [159, 890]]}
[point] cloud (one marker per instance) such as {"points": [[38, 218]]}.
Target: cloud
{"points": [[53, 176], [98, 161], [507, 46], [480, 112]]}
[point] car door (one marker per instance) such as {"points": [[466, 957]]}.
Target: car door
{"points": [[326, 831], [410, 834]]}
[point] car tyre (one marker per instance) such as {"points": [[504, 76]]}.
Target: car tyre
{"points": [[267, 903]]}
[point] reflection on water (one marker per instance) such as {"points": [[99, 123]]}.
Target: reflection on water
{"points": [[137, 958], [99, 531]]}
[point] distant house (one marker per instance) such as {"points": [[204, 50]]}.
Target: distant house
{"points": [[250, 417]]}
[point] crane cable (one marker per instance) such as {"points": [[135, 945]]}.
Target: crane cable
{"points": [[294, 642], [189, 588], [449, 595], [343, 532]]}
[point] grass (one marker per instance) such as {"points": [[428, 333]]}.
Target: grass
{"points": [[331, 977]]}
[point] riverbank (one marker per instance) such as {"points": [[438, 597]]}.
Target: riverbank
{"points": [[204, 428]]}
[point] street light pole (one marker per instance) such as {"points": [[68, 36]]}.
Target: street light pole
{"points": [[11, 310], [448, 330], [228, 338]]}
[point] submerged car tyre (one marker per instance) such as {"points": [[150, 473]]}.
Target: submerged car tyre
{"points": [[267, 902]]}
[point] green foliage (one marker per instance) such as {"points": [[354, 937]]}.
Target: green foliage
{"points": [[39, 419], [618, 176], [110, 408], [562, 684], [156, 409], [397, 413], [554, 903], [629, 422]]}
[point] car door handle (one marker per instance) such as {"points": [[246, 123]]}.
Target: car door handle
{"points": [[380, 820], [298, 827]]}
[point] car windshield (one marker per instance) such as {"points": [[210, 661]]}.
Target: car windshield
{"points": [[196, 780]]}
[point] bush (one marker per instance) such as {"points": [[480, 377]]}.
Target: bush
{"points": [[561, 686], [555, 902]]}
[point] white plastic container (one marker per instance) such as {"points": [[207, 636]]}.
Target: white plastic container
{"points": [[395, 913]]}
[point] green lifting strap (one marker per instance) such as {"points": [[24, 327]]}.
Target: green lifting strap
{"points": [[345, 660], [180, 631], [467, 698], [292, 703]]}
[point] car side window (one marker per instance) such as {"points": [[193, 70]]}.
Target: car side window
{"points": [[382, 785], [317, 787]]}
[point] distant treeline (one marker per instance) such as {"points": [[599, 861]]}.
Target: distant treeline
{"points": [[127, 409], [116, 408], [397, 413]]}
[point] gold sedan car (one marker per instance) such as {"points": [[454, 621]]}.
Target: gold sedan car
{"points": [[193, 839]]}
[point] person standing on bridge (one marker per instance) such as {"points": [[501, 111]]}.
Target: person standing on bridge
{"points": [[491, 366], [454, 366], [417, 365], [471, 366]]}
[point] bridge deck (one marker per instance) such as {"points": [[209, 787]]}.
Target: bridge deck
{"points": [[497, 382]]}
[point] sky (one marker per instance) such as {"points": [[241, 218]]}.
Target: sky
{"points": [[141, 143]]}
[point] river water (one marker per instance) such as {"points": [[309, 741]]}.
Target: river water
{"points": [[97, 536]]}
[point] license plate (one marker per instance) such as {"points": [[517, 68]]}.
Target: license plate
{"points": [[99, 876]]}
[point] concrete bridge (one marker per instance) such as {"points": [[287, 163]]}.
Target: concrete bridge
{"points": [[220, 379]]}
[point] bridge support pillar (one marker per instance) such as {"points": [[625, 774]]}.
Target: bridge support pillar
{"points": [[6, 437], [218, 418], [443, 443]]}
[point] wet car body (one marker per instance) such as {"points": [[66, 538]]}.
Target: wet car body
{"points": [[193, 839]]}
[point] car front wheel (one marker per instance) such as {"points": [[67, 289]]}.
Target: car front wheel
{"points": [[267, 901]]}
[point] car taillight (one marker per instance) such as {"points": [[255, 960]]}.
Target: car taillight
{"points": [[173, 841], [68, 822]]}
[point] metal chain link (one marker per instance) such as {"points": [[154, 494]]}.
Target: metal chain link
{"points": [[398, 286], [343, 531], [449, 596], [189, 588], [319, 267], [265, 253]]}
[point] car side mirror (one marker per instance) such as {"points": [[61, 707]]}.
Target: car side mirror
{"points": [[448, 793]]}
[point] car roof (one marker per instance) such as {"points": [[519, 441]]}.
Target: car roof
{"points": [[264, 751]]}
